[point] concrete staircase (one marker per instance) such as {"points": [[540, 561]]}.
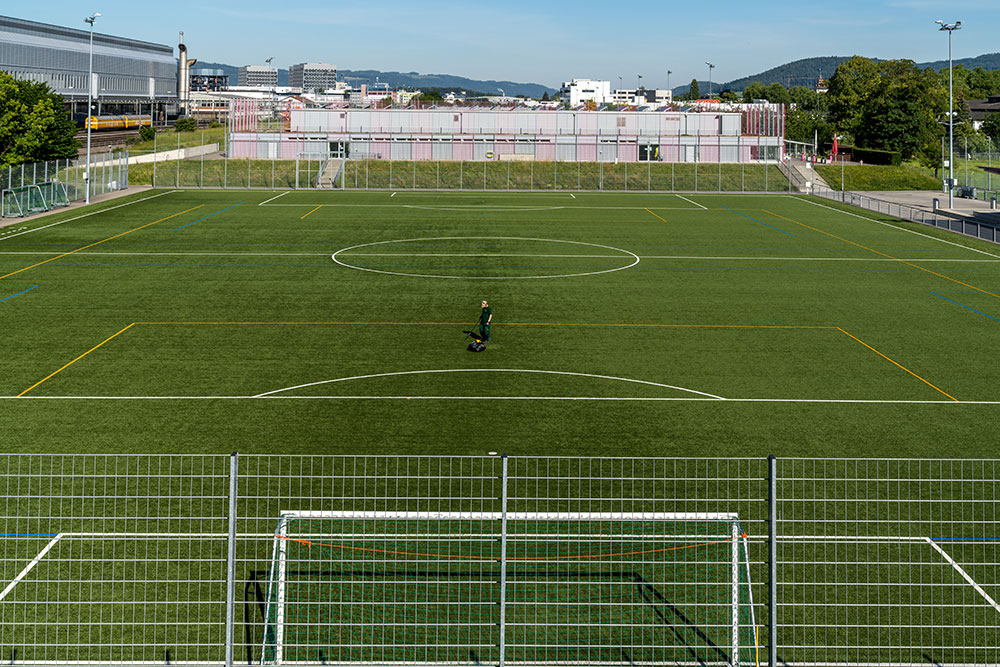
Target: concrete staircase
{"points": [[800, 173], [327, 179]]}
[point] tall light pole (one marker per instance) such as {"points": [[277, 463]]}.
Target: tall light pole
{"points": [[950, 28], [710, 68], [639, 76], [668, 82], [90, 100]]}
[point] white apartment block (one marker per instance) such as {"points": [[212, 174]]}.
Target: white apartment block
{"points": [[641, 97], [312, 76], [579, 91], [258, 76]]}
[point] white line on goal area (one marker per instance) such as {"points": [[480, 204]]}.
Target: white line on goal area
{"points": [[273, 198], [87, 215], [963, 574], [693, 202], [27, 568]]}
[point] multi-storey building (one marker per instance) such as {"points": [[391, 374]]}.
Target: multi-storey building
{"points": [[129, 75], [312, 76], [258, 76]]}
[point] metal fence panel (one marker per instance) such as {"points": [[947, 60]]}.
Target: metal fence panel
{"points": [[351, 560]]}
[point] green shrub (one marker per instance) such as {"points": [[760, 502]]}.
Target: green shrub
{"points": [[872, 156], [147, 133], [186, 124], [214, 124]]}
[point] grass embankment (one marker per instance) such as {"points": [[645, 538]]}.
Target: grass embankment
{"points": [[168, 139], [405, 175], [878, 177]]}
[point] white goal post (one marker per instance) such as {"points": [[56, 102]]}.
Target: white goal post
{"points": [[544, 568]]}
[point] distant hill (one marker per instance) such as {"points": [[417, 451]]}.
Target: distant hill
{"points": [[410, 80], [805, 72]]}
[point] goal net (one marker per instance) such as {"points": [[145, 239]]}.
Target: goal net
{"points": [[25, 200], [526, 588]]}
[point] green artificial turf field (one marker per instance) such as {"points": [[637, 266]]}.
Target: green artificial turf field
{"points": [[331, 322]]}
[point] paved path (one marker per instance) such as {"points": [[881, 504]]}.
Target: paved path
{"points": [[924, 200]]}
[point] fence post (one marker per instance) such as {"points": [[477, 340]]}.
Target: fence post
{"points": [[234, 459], [503, 558], [772, 561]]}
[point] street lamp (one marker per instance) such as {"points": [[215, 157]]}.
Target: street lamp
{"points": [[710, 68], [639, 76], [668, 82], [950, 28], [90, 99]]}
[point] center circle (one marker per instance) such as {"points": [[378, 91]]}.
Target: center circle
{"points": [[626, 255]]}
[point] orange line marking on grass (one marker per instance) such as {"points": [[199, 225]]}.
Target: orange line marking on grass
{"points": [[901, 261], [110, 238], [50, 375], [654, 215], [349, 547], [517, 324], [933, 386], [311, 212]]}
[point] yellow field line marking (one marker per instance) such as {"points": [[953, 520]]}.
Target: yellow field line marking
{"points": [[50, 375], [110, 238], [899, 365], [901, 261], [654, 215], [311, 212]]}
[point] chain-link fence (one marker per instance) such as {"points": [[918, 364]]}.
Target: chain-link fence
{"points": [[109, 172], [351, 560]]}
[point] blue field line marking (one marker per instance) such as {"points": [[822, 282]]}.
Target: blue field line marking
{"points": [[758, 221], [21, 292], [966, 307], [209, 216]]}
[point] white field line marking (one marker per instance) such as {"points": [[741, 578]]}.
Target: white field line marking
{"points": [[902, 229], [626, 254], [29, 566], [87, 215], [965, 575], [503, 398], [273, 198], [481, 208], [491, 370], [693, 202], [392, 195], [375, 254]]}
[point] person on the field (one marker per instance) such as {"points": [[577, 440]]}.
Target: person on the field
{"points": [[485, 318]]}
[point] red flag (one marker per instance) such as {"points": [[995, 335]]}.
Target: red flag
{"points": [[835, 145]]}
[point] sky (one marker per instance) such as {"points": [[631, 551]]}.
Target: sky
{"points": [[547, 41]]}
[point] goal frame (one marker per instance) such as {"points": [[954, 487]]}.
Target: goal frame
{"points": [[279, 554]]}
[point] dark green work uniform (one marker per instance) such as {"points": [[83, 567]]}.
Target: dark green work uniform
{"points": [[484, 323]]}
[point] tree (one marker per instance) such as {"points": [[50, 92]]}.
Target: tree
{"points": [[778, 94], [728, 96], [545, 96], [889, 105], [755, 91], [694, 92], [803, 98], [33, 125], [850, 87], [991, 127]]}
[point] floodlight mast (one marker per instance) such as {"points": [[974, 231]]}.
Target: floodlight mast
{"points": [[90, 100], [710, 68], [950, 28]]}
